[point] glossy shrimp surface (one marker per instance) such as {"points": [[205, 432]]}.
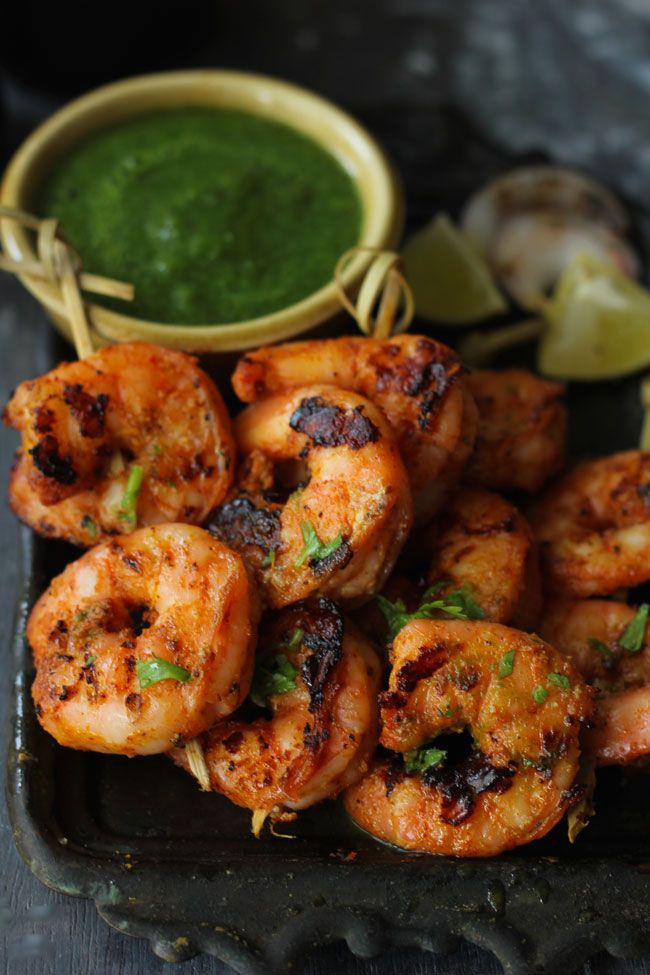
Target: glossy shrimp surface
{"points": [[133, 435], [515, 780], [118, 617], [593, 526], [484, 543], [417, 382], [318, 728], [589, 631], [521, 439], [340, 532]]}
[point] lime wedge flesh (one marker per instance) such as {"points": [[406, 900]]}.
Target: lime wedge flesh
{"points": [[598, 323], [451, 282]]}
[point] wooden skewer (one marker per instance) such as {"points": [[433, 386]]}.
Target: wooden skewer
{"points": [[384, 287]]}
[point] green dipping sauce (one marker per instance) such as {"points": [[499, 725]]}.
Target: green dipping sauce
{"points": [[214, 215]]}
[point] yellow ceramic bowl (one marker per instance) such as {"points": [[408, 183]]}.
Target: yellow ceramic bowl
{"points": [[319, 119]]}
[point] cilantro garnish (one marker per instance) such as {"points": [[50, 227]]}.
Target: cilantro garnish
{"points": [[634, 633], [156, 669], [507, 664], [421, 759], [560, 680], [457, 604], [602, 649], [89, 524], [539, 694], [129, 502], [273, 675], [314, 549]]}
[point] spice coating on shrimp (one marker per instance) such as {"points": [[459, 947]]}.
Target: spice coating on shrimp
{"points": [[522, 422], [523, 704], [323, 724], [592, 632], [417, 382], [483, 542], [341, 530], [133, 435], [143, 642], [593, 526]]}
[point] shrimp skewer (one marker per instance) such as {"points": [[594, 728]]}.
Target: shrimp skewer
{"points": [[609, 643], [523, 704], [593, 526], [143, 642], [133, 435], [418, 383], [319, 679], [340, 532]]}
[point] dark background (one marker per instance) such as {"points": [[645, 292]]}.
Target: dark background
{"points": [[468, 84]]}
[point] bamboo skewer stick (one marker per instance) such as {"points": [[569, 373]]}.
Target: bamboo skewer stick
{"points": [[384, 287]]}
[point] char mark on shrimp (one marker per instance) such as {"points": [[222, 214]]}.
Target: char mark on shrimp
{"points": [[428, 661], [322, 625], [89, 411], [327, 425], [50, 463], [240, 522], [460, 785], [338, 559]]}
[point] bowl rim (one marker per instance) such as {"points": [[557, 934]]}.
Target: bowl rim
{"points": [[387, 217]]}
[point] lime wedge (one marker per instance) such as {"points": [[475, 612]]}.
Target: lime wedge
{"points": [[598, 323], [451, 282]]}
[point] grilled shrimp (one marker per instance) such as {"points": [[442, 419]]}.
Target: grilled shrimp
{"points": [[133, 435], [522, 702], [521, 438], [593, 526], [145, 641], [319, 678], [595, 634], [484, 543], [340, 531], [417, 382]]}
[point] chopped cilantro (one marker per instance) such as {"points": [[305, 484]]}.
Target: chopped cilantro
{"points": [[314, 549], [453, 604], [560, 680], [295, 639], [634, 632], [602, 649], [420, 759], [156, 669], [539, 694], [90, 525], [129, 502], [269, 559], [273, 675], [507, 664], [157, 449]]}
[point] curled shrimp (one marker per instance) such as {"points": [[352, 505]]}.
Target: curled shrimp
{"points": [[521, 701], [485, 544], [592, 632], [319, 678], [417, 382], [593, 526], [145, 641], [521, 438], [133, 435], [340, 532]]}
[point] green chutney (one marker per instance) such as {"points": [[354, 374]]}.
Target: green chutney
{"points": [[214, 215]]}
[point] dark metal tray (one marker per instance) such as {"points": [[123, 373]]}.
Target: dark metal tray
{"points": [[164, 862]]}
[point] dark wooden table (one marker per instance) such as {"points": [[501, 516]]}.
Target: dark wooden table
{"points": [[523, 78]]}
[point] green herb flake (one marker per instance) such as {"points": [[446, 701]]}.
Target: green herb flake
{"points": [[156, 669], [539, 694], [453, 604], [634, 633], [602, 649], [463, 599], [446, 713], [560, 680], [89, 525], [314, 549], [269, 559], [273, 675], [157, 449], [421, 759], [89, 662], [129, 502], [295, 639], [507, 664]]}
